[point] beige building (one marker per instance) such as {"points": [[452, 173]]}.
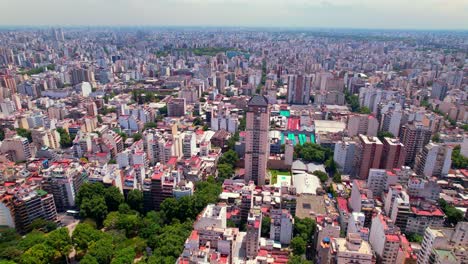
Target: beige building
{"points": [[46, 138], [17, 148], [351, 249]]}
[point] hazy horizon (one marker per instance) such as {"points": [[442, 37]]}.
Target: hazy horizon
{"points": [[339, 14]]}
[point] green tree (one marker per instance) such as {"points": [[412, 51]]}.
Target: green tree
{"points": [[412, 237], [32, 238], [65, 140], [266, 222], [298, 245], [242, 124], [124, 256], [197, 121], [229, 157], [39, 254], [24, 133], [88, 191], [225, 171], [88, 259], [113, 198], [102, 250], [135, 200], [60, 241], [95, 208], [383, 134], [321, 175], [458, 160], [436, 137], [84, 235], [137, 136], [364, 110], [43, 225], [337, 177], [305, 228], [296, 260]]}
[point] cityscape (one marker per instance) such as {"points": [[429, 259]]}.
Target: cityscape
{"points": [[233, 145]]}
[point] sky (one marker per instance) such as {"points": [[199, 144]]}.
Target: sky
{"points": [[383, 14]]}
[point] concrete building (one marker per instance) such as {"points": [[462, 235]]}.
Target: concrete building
{"points": [[434, 160], [254, 226], [384, 239], [369, 155], [377, 181], [362, 124], [176, 107], [21, 205], [299, 89], [17, 148], [281, 228], [212, 216], [46, 138], [64, 179], [351, 249], [444, 245], [344, 155], [189, 144], [257, 149], [394, 154], [414, 137]]}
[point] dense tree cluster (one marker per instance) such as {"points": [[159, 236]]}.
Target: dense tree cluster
{"points": [[114, 231], [304, 230], [383, 134]]}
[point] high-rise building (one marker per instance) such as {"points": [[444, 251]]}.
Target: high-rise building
{"points": [[448, 242], [252, 238], [299, 89], [344, 155], [394, 154], [257, 149], [414, 137], [362, 124], [17, 148], [176, 107], [434, 160], [189, 144], [64, 179], [220, 82], [439, 90], [281, 226], [21, 205], [46, 137], [369, 155]]}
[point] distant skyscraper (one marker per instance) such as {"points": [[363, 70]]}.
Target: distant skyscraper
{"points": [[299, 89], [257, 149]]}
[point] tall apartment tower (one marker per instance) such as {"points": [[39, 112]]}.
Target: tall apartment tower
{"points": [[434, 160], [414, 137], [254, 226], [369, 155], [257, 149], [299, 89], [394, 154]]}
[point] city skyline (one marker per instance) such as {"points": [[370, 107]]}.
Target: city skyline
{"points": [[241, 13]]}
